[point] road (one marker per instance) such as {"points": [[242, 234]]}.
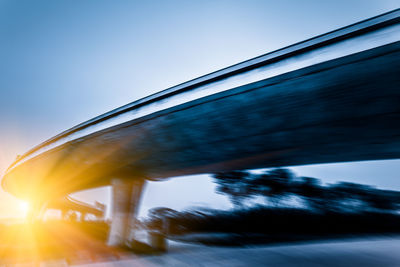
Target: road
{"points": [[382, 251]]}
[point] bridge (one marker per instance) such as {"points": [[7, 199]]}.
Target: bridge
{"points": [[69, 207], [332, 98]]}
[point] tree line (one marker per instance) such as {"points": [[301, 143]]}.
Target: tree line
{"points": [[280, 187]]}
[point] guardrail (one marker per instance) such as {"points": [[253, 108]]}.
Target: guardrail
{"points": [[361, 36]]}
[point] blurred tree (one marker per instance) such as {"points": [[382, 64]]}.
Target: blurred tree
{"points": [[234, 184], [311, 190], [276, 184], [159, 217], [383, 200], [239, 185], [273, 184]]}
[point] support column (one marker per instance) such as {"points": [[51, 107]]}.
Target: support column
{"points": [[136, 196], [126, 196]]}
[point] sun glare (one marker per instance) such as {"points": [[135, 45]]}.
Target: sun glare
{"points": [[24, 207]]}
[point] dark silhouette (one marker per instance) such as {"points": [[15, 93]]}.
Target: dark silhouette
{"points": [[235, 184], [295, 208], [277, 184]]}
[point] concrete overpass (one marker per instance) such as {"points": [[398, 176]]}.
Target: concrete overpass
{"points": [[69, 206], [335, 97]]}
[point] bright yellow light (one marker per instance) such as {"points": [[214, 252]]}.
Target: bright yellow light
{"points": [[24, 207]]}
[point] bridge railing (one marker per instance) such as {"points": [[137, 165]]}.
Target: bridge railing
{"points": [[358, 37]]}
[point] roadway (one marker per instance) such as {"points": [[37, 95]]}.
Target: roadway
{"points": [[366, 252]]}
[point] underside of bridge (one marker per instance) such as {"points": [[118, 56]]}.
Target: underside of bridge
{"points": [[69, 206], [346, 109]]}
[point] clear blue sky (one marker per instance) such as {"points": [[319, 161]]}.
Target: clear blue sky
{"points": [[63, 62]]}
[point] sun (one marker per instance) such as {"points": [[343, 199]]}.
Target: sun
{"points": [[24, 207]]}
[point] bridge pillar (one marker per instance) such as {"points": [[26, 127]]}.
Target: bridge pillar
{"points": [[126, 195]]}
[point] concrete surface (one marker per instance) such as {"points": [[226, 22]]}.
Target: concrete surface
{"points": [[376, 252], [342, 110]]}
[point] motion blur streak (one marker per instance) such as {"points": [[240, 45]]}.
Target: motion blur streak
{"points": [[332, 98], [326, 47]]}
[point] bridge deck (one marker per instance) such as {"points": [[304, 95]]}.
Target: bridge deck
{"points": [[340, 107]]}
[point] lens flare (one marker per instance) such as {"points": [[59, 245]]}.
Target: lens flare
{"points": [[24, 207]]}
